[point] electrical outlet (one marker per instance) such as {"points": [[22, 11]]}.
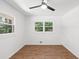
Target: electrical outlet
{"points": [[41, 41]]}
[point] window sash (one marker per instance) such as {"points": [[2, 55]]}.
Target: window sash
{"points": [[45, 27]]}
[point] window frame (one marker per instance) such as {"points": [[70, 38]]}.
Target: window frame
{"points": [[44, 26], [10, 25], [49, 26], [40, 26]]}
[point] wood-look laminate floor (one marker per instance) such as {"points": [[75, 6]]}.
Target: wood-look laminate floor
{"points": [[43, 52]]}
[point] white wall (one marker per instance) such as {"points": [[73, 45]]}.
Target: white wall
{"points": [[66, 32], [33, 37], [71, 31], [10, 43]]}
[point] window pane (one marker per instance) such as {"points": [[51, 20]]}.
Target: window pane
{"points": [[6, 24], [38, 29], [3, 28], [10, 21], [38, 24], [0, 19], [48, 23], [9, 28], [6, 20], [48, 28]]}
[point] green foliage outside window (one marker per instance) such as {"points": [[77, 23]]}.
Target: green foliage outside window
{"points": [[6, 25], [3, 28], [46, 26], [39, 26]]}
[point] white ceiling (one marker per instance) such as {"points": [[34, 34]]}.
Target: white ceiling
{"points": [[61, 6]]}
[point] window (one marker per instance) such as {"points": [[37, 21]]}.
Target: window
{"points": [[43, 26], [6, 25], [48, 26], [39, 26]]}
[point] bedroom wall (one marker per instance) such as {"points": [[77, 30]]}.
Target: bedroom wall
{"points": [[11, 42], [71, 31], [65, 31], [33, 37]]}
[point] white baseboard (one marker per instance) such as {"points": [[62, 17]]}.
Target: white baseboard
{"points": [[44, 44], [67, 47], [21, 46]]}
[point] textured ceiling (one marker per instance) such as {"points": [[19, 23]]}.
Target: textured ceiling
{"points": [[61, 6]]}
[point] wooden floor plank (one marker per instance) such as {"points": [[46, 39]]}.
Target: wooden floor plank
{"points": [[43, 52]]}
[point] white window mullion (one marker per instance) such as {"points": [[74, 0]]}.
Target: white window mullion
{"points": [[43, 26]]}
